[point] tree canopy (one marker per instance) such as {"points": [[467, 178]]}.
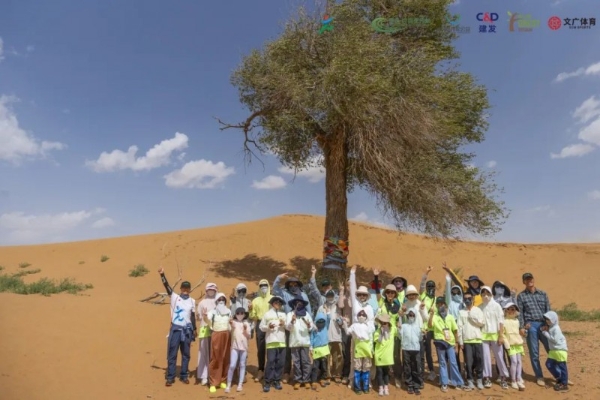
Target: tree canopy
{"points": [[390, 113]]}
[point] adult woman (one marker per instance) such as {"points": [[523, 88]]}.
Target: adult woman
{"points": [[219, 321]]}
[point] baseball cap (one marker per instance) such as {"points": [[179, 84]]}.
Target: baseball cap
{"points": [[186, 284], [527, 275]]}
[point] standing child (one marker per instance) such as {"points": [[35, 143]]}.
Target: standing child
{"points": [[319, 347], [411, 337], [240, 333], [513, 342], [362, 335], [445, 335], [557, 356], [492, 338], [334, 334], [299, 323], [220, 343], [273, 324], [384, 338], [470, 322]]}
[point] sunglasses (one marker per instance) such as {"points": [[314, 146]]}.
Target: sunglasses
{"points": [[430, 287], [242, 291], [512, 309], [292, 284]]}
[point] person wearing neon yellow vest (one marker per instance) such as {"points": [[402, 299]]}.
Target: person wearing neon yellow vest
{"points": [[493, 338], [362, 334], [427, 298]]}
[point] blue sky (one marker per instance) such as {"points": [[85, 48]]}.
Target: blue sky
{"points": [[82, 79]]}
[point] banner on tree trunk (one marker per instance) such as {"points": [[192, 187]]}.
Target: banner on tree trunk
{"points": [[335, 250]]}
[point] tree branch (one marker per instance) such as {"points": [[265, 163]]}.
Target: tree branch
{"points": [[247, 127]]}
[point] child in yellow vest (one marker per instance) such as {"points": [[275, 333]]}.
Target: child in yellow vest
{"points": [[362, 335], [384, 338], [513, 342]]}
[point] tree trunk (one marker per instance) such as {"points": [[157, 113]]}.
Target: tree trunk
{"points": [[335, 151]]}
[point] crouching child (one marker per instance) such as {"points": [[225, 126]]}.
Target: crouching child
{"points": [[273, 324], [557, 356], [319, 347], [362, 335]]}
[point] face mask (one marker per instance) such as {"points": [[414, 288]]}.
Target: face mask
{"points": [[330, 301], [431, 292], [468, 301], [220, 303], [320, 325], [264, 290], [399, 286], [362, 319], [385, 328], [185, 296], [294, 289], [442, 309], [239, 317], [499, 290], [411, 320], [456, 298]]}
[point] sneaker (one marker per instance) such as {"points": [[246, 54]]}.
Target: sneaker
{"points": [[204, 382], [411, 390], [444, 388], [521, 385], [386, 391], [240, 387], [212, 389], [417, 391], [259, 376], [169, 382], [286, 378], [514, 385], [571, 383], [327, 381], [381, 391], [541, 382], [223, 385], [422, 386], [503, 384], [559, 387], [471, 385], [314, 387], [464, 388], [228, 389], [296, 386], [487, 383], [184, 380], [323, 383], [344, 381], [337, 380], [266, 388], [480, 384], [431, 376], [277, 385], [358, 392]]}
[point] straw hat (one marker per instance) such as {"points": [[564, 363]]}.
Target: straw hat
{"points": [[362, 290]]}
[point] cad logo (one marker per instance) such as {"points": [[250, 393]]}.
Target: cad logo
{"points": [[454, 21], [488, 17]]}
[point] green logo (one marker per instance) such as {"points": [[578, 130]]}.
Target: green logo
{"points": [[394, 25]]}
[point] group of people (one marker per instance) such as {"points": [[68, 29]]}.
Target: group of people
{"points": [[346, 335]]}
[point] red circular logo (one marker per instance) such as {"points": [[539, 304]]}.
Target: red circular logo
{"points": [[554, 23]]}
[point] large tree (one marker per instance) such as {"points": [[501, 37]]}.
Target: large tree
{"points": [[390, 113]]}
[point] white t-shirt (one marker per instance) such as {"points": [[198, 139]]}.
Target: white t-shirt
{"points": [[181, 310]]}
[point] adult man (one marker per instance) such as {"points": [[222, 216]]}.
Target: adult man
{"points": [[182, 331], [533, 303], [292, 289], [318, 297], [427, 297], [258, 308]]}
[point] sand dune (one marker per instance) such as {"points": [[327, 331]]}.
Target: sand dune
{"points": [[105, 344]]}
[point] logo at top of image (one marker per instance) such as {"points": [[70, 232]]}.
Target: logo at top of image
{"points": [[521, 22], [326, 24], [489, 17], [555, 23], [454, 20], [394, 25]]}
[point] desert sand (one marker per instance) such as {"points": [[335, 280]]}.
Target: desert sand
{"points": [[105, 344]]}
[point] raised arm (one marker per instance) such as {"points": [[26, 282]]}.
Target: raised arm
{"points": [[454, 277], [376, 281], [276, 290], [163, 278], [448, 289], [424, 279], [313, 290], [355, 304]]}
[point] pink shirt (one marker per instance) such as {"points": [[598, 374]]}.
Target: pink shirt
{"points": [[239, 336]]}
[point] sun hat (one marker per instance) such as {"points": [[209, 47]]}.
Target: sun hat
{"points": [[391, 288], [287, 283], [411, 289], [383, 318], [295, 300], [475, 278], [487, 288], [511, 304], [211, 286], [362, 290], [276, 298]]}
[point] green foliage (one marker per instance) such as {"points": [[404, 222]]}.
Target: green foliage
{"points": [[14, 284], [571, 312], [24, 265], [104, 258], [395, 103], [138, 270], [27, 272]]}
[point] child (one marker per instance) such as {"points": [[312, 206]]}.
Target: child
{"points": [[445, 335], [384, 339], [240, 333], [299, 323], [362, 335], [319, 348], [513, 342], [492, 340], [557, 356], [334, 334], [470, 322], [218, 321], [273, 324], [411, 337]]}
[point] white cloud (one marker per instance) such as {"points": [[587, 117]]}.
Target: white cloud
{"points": [[30, 48], [156, 157], [315, 172], [591, 70], [491, 164], [103, 223], [16, 143], [270, 182], [588, 110], [22, 228], [201, 174], [364, 218], [574, 150], [591, 133], [594, 195], [1, 49]]}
